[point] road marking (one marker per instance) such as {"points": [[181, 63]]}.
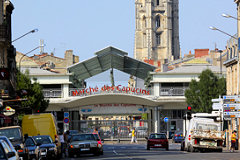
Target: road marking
{"points": [[115, 152]]}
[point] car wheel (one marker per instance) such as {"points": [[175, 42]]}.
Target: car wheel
{"points": [[97, 153], [167, 149], [148, 147], [191, 149], [70, 155]]}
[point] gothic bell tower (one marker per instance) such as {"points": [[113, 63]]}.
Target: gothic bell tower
{"points": [[157, 31]]}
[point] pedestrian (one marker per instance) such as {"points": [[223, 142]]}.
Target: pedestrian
{"points": [[66, 141], [233, 141], [61, 139], [134, 138]]}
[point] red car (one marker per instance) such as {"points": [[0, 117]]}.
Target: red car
{"points": [[157, 140]]}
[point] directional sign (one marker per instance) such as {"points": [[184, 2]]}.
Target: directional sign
{"points": [[166, 119], [66, 114], [66, 120]]}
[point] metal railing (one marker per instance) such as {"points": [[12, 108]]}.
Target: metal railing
{"points": [[170, 91], [52, 93], [164, 91]]}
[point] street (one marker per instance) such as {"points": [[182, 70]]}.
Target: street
{"points": [[126, 151]]}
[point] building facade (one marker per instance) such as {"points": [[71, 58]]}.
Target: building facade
{"points": [[157, 31], [7, 52]]}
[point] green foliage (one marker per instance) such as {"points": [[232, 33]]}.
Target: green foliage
{"points": [[147, 81], [35, 99], [200, 94]]}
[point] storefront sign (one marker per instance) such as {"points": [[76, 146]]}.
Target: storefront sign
{"points": [[115, 89]]}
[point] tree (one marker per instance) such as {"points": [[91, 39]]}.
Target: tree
{"points": [[35, 99], [200, 93]]}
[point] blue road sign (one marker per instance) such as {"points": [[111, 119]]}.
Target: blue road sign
{"points": [[166, 119], [66, 120], [66, 114]]}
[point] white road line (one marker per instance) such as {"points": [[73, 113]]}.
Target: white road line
{"points": [[115, 152]]}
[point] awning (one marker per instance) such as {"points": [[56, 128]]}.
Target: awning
{"points": [[106, 59]]}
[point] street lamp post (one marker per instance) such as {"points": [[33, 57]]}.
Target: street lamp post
{"points": [[214, 28], [32, 31], [25, 55]]}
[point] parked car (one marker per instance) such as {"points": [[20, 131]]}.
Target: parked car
{"points": [[14, 134], [157, 140], [177, 137], [6, 153], [32, 147], [71, 132], [47, 146], [83, 143], [10, 145]]}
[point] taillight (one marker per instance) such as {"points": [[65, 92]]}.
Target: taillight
{"points": [[189, 137], [20, 150], [71, 146], [195, 141], [176, 135]]}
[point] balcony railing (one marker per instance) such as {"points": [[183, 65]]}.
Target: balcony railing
{"points": [[164, 91], [52, 93], [170, 91], [4, 33]]}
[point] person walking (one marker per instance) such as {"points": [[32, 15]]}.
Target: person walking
{"points": [[61, 139], [134, 138], [233, 141]]}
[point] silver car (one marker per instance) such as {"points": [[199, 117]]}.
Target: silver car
{"points": [[84, 143]]}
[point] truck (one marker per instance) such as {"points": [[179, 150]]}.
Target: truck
{"points": [[203, 134]]}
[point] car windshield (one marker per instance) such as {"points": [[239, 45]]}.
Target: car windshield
{"points": [[83, 137], [43, 139], [71, 132], [157, 136], [210, 127], [96, 136], [11, 133]]}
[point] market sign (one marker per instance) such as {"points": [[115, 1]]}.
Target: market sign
{"points": [[115, 89]]}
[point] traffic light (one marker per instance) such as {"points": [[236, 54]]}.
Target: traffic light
{"points": [[189, 112]]}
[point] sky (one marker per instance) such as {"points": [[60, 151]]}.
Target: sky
{"points": [[87, 26]]}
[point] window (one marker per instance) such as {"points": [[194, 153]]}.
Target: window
{"points": [[158, 39], [157, 22], [29, 142], [158, 2]]}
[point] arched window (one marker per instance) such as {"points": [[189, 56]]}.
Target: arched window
{"points": [[144, 22], [157, 22], [158, 39]]}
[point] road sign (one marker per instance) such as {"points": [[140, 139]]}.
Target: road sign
{"points": [[66, 114], [66, 120], [8, 111], [166, 119]]}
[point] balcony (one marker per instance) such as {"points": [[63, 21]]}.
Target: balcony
{"points": [[170, 91], [4, 33], [52, 93]]}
